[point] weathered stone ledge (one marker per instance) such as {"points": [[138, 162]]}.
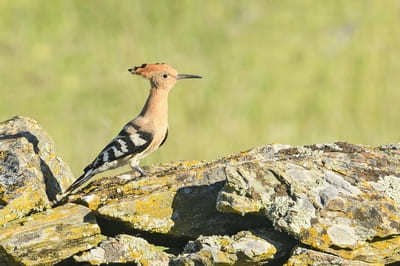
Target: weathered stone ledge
{"points": [[325, 204]]}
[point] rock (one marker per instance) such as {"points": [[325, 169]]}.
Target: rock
{"points": [[339, 198], [304, 256], [31, 174], [176, 199], [22, 188], [124, 249], [56, 172], [244, 248], [48, 237], [282, 242]]}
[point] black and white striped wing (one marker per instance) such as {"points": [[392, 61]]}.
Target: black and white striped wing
{"points": [[123, 145]]}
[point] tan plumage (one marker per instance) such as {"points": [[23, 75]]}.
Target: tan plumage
{"points": [[142, 135]]}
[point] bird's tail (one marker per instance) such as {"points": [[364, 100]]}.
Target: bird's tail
{"points": [[78, 182]]}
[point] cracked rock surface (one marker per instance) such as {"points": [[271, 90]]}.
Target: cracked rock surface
{"points": [[49, 237], [304, 256], [244, 248], [124, 249], [339, 198]]}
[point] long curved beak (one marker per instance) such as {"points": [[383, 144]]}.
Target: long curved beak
{"points": [[188, 76]]}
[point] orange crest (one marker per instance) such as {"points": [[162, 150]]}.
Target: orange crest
{"points": [[147, 70]]}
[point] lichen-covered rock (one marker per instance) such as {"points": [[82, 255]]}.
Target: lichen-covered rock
{"points": [[48, 237], [124, 249], [244, 248], [31, 174], [57, 174], [22, 188], [340, 198], [176, 199], [303, 256]]}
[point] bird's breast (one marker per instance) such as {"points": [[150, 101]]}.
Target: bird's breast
{"points": [[158, 137]]}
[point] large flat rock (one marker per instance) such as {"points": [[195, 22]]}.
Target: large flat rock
{"points": [[48, 237], [177, 199], [340, 198]]}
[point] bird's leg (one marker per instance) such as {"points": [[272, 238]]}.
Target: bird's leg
{"points": [[140, 170], [135, 166]]}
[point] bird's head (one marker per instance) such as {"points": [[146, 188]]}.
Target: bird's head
{"points": [[160, 75]]}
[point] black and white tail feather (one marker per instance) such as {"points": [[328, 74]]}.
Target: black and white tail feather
{"points": [[130, 142]]}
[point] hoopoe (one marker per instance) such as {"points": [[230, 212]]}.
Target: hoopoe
{"points": [[145, 133]]}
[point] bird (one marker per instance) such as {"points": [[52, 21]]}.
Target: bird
{"points": [[142, 135]]}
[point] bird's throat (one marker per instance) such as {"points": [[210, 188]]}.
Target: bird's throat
{"points": [[156, 106]]}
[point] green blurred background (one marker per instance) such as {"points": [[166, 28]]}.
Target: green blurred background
{"points": [[295, 72]]}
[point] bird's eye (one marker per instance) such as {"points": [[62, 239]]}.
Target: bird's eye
{"points": [[165, 76]]}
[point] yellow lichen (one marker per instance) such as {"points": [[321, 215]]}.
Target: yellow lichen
{"points": [[190, 163], [385, 251], [315, 239], [3, 154], [222, 258], [156, 205]]}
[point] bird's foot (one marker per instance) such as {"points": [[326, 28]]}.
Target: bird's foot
{"points": [[141, 172]]}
